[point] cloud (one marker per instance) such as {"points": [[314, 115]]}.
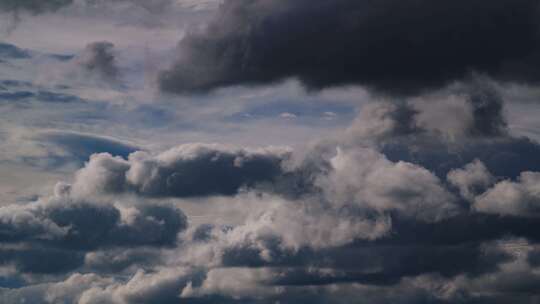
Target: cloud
{"points": [[395, 47], [120, 260], [12, 52], [98, 58], [512, 198], [472, 180], [445, 130], [163, 286], [60, 227], [395, 209], [53, 150], [476, 107], [185, 171], [81, 146], [369, 180]]}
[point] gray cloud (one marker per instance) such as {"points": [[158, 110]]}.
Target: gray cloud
{"points": [[366, 178], [60, 228], [512, 198], [472, 180], [71, 147], [11, 51], [388, 211], [185, 171], [99, 58], [446, 130]]}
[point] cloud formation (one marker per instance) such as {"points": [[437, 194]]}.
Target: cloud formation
{"points": [[394, 47], [424, 199], [386, 230], [60, 228], [185, 171], [368, 213]]}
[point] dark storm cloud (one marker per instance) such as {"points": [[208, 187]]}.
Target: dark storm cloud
{"points": [[391, 46]]}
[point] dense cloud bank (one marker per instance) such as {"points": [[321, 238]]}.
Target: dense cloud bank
{"points": [[391, 46], [405, 206]]}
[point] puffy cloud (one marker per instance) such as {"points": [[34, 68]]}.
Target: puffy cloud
{"points": [[372, 213], [163, 286], [397, 47], [276, 230], [120, 260], [238, 283], [367, 179], [67, 291], [185, 171], [380, 120], [512, 198], [293, 227], [474, 108], [472, 180], [446, 130]]}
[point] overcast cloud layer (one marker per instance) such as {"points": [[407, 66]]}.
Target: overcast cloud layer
{"points": [[408, 172]]}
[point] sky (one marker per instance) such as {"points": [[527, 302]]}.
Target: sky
{"points": [[269, 151]]}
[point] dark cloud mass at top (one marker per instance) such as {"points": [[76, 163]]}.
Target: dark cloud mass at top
{"points": [[391, 46]]}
